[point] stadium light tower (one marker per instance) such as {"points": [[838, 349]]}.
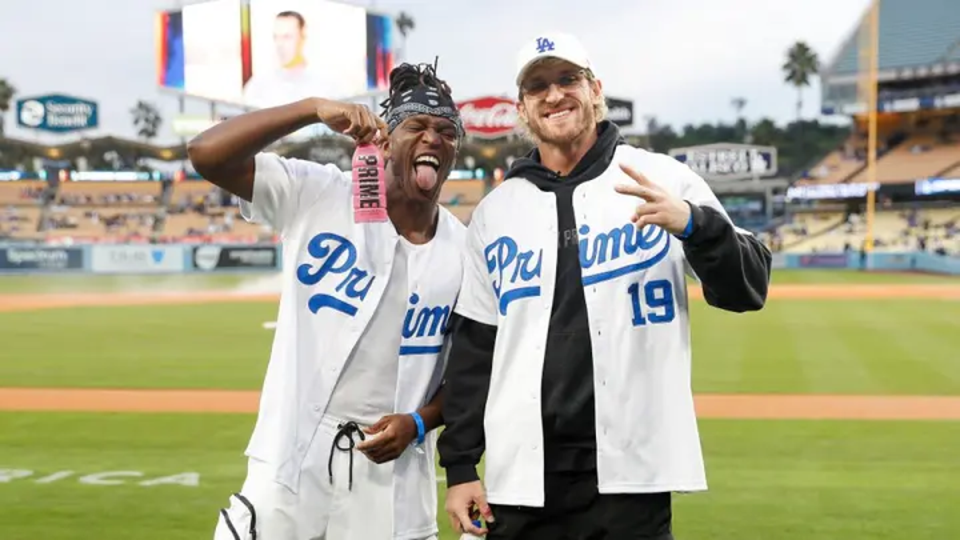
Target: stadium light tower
{"points": [[869, 61]]}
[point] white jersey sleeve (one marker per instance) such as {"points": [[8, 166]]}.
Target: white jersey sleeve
{"points": [[283, 187], [477, 300]]}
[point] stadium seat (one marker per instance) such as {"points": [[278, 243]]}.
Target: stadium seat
{"points": [[918, 157]]}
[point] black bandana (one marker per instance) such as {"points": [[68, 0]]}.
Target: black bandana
{"points": [[421, 99]]}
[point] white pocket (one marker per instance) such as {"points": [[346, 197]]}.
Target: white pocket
{"points": [[239, 522]]}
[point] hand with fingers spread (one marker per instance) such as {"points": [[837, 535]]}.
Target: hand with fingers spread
{"points": [[465, 504], [352, 119], [660, 207], [388, 438]]}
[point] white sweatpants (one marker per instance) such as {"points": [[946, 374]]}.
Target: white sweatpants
{"points": [[266, 510]]}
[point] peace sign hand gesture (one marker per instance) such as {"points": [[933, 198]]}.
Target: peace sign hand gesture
{"points": [[661, 208]]}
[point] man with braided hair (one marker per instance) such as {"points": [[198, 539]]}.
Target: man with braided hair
{"points": [[343, 447]]}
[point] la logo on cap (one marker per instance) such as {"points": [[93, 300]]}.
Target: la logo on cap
{"points": [[544, 45]]}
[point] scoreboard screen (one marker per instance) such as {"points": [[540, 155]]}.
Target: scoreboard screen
{"points": [[747, 210]]}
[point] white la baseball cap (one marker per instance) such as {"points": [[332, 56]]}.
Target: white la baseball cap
{"points": [[552, 45]]}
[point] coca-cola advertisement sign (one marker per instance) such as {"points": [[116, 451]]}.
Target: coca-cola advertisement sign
{"points": [[489, 117]]}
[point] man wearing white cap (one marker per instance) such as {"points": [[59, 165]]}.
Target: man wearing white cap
{"points": [[570, 359]]}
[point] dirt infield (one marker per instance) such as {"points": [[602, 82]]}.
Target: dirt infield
{"points": [[27, 302], [708, 406]]}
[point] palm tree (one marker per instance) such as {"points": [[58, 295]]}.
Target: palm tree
{"points": [[146, 120], [405, 24], [7, 91], [802, 63], [738, 103]]}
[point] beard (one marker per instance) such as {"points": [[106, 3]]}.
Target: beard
{"points": [[567, 132]]}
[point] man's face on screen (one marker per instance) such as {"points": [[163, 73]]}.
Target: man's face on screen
{"points": [[288, 38]]}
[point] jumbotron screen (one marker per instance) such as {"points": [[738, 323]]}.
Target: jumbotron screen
{"points": [[261, 53]]}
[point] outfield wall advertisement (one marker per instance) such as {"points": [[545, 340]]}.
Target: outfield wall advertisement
{"points": [[136, 259], [41, 259], [221, 258], [210, 258]]}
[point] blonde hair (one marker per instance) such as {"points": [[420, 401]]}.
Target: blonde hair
{"points": [[599, 109]]}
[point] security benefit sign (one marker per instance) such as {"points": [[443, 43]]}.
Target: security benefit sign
{"points": [[209, 258], [57, 113], [729, 161]]}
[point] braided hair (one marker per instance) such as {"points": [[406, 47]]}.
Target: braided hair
{"points": [[406, 77], [416, 89]]}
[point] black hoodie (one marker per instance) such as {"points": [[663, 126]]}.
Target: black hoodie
{"points": [[734, 270]]}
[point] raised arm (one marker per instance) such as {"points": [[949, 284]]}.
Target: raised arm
{"points": [[225, 154], [733, 266]]}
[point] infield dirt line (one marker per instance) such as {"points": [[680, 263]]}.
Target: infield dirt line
{"points": [[740, 406], [27, 302]]}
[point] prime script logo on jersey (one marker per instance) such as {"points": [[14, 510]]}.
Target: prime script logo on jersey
{"points": [[336, 259], [343, 287], [604, 256], [620, 251], [516, 274], [624, 251], [424, 328]]}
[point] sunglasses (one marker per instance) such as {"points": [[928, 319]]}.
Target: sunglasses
{"points": [[538, 87]]}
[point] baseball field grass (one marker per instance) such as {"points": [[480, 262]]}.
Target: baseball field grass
{"points": [[68, 474]]}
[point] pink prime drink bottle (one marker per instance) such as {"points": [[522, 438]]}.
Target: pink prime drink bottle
{"points": [[369, 187]]}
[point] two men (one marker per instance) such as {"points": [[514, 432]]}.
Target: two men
{"points": [[355, 364], [570, 359]]}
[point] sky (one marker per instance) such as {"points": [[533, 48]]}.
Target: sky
{"points": [[682, 61]]}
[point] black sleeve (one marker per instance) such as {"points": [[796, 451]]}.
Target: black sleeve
{"points": [[734, 268], [465, 388]]}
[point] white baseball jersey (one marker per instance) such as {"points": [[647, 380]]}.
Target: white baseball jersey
{"points": [[637, 309], [335, 274]]}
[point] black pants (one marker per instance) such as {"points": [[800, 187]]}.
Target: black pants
{"points": [[575, 510]]}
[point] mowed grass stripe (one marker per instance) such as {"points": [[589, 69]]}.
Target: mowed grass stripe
{"points": [[939, 339], [788, 480], [106, 283], [840, 353], [908, 345], [804, 479], [155, 445], [217, 346], [777, 359], [821, 346], [792, 346]]}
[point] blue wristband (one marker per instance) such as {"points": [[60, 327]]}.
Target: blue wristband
{"points": [[688, 230], [421, 429]]}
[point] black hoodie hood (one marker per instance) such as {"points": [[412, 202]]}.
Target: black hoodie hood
{"points": [[594, 162]]}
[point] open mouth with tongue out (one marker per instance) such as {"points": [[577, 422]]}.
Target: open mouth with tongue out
{"points": [[425, 168]]}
